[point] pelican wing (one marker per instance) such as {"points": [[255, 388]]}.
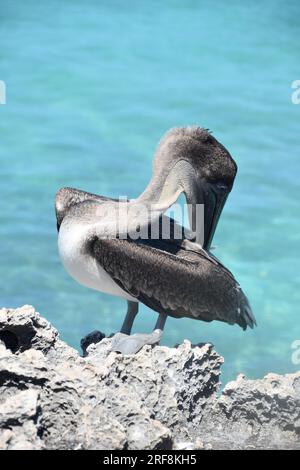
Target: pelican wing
{"points": [[168, 277]]}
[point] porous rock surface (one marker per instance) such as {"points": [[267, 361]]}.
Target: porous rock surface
{"points": [[160, 398]]}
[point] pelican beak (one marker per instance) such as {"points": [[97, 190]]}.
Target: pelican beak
{"points": [[212, 198], [214, 201]]}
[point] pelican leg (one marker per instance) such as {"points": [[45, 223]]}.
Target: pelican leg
{"points": [[132, 310], [161, 321], [126, 344]]}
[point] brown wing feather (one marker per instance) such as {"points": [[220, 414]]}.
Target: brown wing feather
{"points": [[171, 279]]}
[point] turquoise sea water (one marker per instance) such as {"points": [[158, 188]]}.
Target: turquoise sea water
{"points": [[91, 87]]}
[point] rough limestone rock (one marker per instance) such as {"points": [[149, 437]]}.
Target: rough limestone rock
{"points": [[160, 398], [256, 414]]}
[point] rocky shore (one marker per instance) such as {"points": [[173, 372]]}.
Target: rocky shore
{"points": [[160, 398]]}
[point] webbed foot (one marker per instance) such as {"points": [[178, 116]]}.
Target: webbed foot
{"points": [[131, 344]]}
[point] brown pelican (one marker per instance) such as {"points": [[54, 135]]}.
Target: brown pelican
{"points": [[174, 277]]}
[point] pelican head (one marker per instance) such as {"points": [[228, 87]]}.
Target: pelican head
{"points": [[204, 169]]}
